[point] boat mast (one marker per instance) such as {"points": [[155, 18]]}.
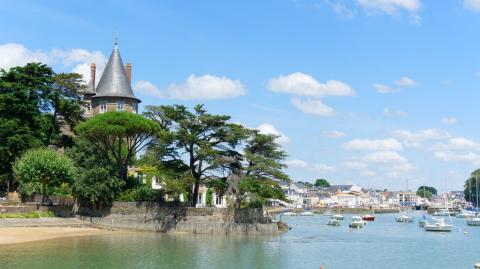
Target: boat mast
{"points": [[476, 189]]}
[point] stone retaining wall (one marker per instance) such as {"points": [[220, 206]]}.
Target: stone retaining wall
{"points": [[162, 218]]}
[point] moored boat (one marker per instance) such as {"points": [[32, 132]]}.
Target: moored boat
{"points": [[338, 217], [404, 218], [327, 213], [465, 214], [438, 226], [368, 217], [422, 223], [357, 222], [289, 213], [334, 222], [307, 214], [473, 221]]}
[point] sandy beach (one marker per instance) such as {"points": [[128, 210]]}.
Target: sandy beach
{"points": [[14, 235]]}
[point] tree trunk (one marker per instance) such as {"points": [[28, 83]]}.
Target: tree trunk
{"points": [[196, 187], [44, 184]]}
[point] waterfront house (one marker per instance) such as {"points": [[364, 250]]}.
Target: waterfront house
{"points": [[218, 200]]}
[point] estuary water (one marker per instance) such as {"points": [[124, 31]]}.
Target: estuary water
{"points": [[309, 244]]}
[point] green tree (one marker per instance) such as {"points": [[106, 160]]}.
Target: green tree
{"points": [[471, 185], [43, 170], [424, 193], [322, 183], [119, 135], [432, 190], [203, 142], [97, 185]]}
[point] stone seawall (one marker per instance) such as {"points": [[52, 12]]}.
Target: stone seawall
{"points": [[161, 218]]}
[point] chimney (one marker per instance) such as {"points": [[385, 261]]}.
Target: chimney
{"points": [[93, 68], [128, 69]]}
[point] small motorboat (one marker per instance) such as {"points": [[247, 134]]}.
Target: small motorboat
{"points": [[357, 222], [289, 213], [404, 218], [307, 214], [334, 222], [368, 217], [475, 221], [327, 213], [465, 214], [337, 217], [442, 213], [438, 226]]}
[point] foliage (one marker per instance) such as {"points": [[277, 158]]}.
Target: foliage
{"points": [[28, 215], [119, 135], [209, 197], [42, 170], [471, 185], [97, 185], [424, 193], [322, 183], [140, 194], [432, 190], [201, 141], [261, 189]]}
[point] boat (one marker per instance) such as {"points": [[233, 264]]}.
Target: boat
{"points": [[473, 221], [368, 217], [289, 213], [338, 217], [404, 218], [307, 214], [334, 222], [357, 222], [327, 213], [438, 226], [465, 214], [442, 213], [422, 223]]}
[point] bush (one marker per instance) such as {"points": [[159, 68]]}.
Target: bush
{"points": [[97, 185], [140, 194]]}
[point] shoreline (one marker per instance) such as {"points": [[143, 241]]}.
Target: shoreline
{"points": [[17, 235]]}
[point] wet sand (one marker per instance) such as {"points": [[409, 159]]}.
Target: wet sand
{"points": [[14, 235]]}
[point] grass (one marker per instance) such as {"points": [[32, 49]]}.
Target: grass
{"points": [[29, 215]]}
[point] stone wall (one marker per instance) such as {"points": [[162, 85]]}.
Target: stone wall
{"points": [[161, 218]]}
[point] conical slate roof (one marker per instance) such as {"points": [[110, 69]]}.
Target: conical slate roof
{"points": [[114, 81]]}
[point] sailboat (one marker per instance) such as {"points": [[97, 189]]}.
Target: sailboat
{"points": [[424, 220], [404, 217], [439, 225], [369, 217], [475, 221]]}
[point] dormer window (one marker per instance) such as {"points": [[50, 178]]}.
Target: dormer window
{"points": [[103, 107], [120, 106]]}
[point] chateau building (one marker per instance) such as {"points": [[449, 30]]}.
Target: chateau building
{"points": [[114, 90]]}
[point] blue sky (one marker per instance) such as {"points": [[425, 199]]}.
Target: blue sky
{"points": [[373, 92]]}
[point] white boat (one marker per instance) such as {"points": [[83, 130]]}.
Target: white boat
{"points": [[334, 222], [327, 213], [438, 226], [357, 222], [442, 213], [422, 223], [307, 214], [466, 214], [404, 218], [290, 213], [473, 221], [338, 217]]}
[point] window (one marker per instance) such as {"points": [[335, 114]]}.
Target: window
{"points": [[218, 199], [199, 200], [103, 107], [120, 106]]}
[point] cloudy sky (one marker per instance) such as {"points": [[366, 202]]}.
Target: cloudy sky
{"points": [[373, 92]]}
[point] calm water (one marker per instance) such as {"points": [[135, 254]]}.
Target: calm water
{"points": [[382, 244]]}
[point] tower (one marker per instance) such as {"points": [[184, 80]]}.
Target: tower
{"points": [[114, 91]]}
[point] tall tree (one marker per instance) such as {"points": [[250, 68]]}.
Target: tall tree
{"points": [[322, 183], [432, 190], [119, 135], [203, 141], [471, 185], [22, 124], [42, 170]]}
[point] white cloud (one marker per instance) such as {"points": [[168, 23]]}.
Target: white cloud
{"points": [[76, 60], [472, 5], [368, 173], [458, 156], [449, 120], [333, 134], [296, 163], [206, 87], [415, 139], [147, 88], [356, 165], [382, 88], [314, 107], [324, 168], [458, 144], [373, 145], [394, 113], [269, 129], [385, 157], [341, 9], [391, 7], [405, 82], [305, 85]]}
